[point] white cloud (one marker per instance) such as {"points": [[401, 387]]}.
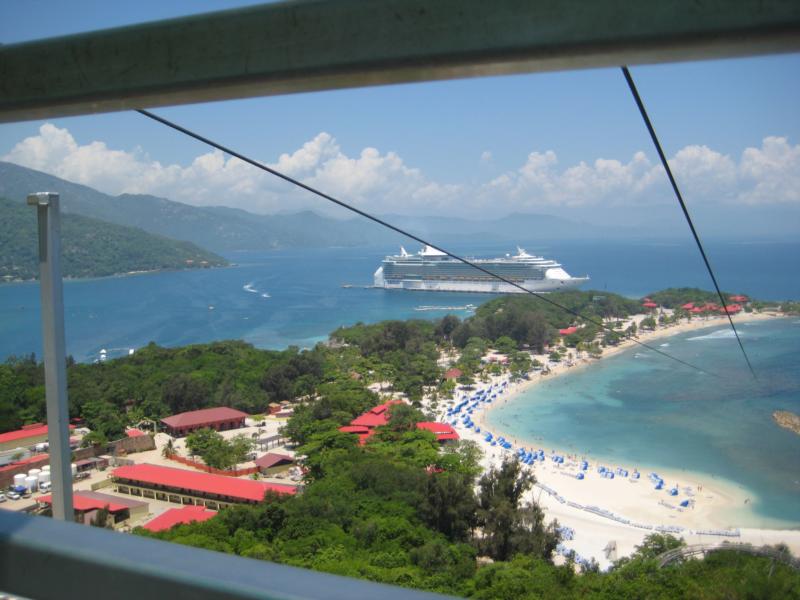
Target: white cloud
{"points": [[384, 182], [773, 172]]}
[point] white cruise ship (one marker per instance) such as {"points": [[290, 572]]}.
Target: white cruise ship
{"points": [[434, 271]]}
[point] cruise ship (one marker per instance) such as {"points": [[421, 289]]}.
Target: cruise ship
{"points": [[434, 271]]}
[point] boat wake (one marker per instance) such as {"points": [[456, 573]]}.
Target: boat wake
{"points": [[469, 307], [252, 289], [720, 334]]}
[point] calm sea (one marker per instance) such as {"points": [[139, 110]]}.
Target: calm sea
{"points": [[294, 297]]}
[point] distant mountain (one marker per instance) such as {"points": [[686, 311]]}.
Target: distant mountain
{"points": [[90, 247], [220, 229], [223, 229]]}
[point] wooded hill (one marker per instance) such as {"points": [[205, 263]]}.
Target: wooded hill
{"points": [[91, 248]]}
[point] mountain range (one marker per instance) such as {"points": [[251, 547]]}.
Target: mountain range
{"points": [[223, 229]]}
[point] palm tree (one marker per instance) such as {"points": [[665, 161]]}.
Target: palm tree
{"points": [[169, 449]]}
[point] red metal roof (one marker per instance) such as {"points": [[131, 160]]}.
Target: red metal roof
{"points": [[28, 431], [206, 483], [369, 420], [205, 416], [442, 431], [732, 309], [175, 516], [376, 416], [688, 306], [649, 304], [739, 298], [84, 503], [272, 459], [354, 429], [133, 432], [568, 330]]}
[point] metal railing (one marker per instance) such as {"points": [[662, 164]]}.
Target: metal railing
{"points": [[46, 559]]}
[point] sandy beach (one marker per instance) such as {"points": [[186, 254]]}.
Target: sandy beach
{"points": [[611, 516]]}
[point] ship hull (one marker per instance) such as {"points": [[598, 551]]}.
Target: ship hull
{"points": [[482, 287]]}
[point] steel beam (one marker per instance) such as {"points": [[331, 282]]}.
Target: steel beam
{"points": [[55, 356], [289, 47]]}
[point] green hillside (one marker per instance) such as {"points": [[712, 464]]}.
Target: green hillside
{"points": [[90, 247]]}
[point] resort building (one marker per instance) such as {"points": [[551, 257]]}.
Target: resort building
{"points": [[29, 435], [87, 504], [444, 432], [179, 516], [272, 463], [181, 486], [221, 418], [364, 426]]}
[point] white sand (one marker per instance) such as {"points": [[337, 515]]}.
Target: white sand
{"points": [[711, 499]]}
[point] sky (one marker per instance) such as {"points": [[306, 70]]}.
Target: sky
{"points": [[570, 144]]}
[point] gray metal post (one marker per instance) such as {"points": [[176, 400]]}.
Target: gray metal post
{"points": [[55, 358]]}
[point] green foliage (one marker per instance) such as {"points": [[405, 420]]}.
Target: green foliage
{"points": [[216, 451], [509, 526], [676, 297], [91, 248]]}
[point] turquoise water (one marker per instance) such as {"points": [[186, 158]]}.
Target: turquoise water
{"points": [[637, 408]]}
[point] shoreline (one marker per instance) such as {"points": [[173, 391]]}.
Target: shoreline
{"points": [[627, 509]]}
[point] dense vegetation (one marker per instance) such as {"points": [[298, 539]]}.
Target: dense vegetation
{"points": [[91, 248], [399, 510]]}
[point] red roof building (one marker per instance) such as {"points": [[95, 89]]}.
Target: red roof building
{"points": [[442, 431], [87, 504], [568, 330], [217, 488], [731, 309], [375, 417], [354, 429], [221, 418], [650, 304], [179, 516], [273, 459], [133, 432], [29, 434], [739, 298], [365, 425], [696, 310], [453, 373], [688, 306], [83, 503]]}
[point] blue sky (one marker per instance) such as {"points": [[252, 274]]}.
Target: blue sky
{"points": [[494, 145]]}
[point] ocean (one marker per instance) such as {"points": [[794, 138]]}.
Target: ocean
{"points": [[638, 409], [294, 297], [633, 408]]}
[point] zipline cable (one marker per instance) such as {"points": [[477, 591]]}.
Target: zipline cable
{"points": [[375, 219], [685, 210]]}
